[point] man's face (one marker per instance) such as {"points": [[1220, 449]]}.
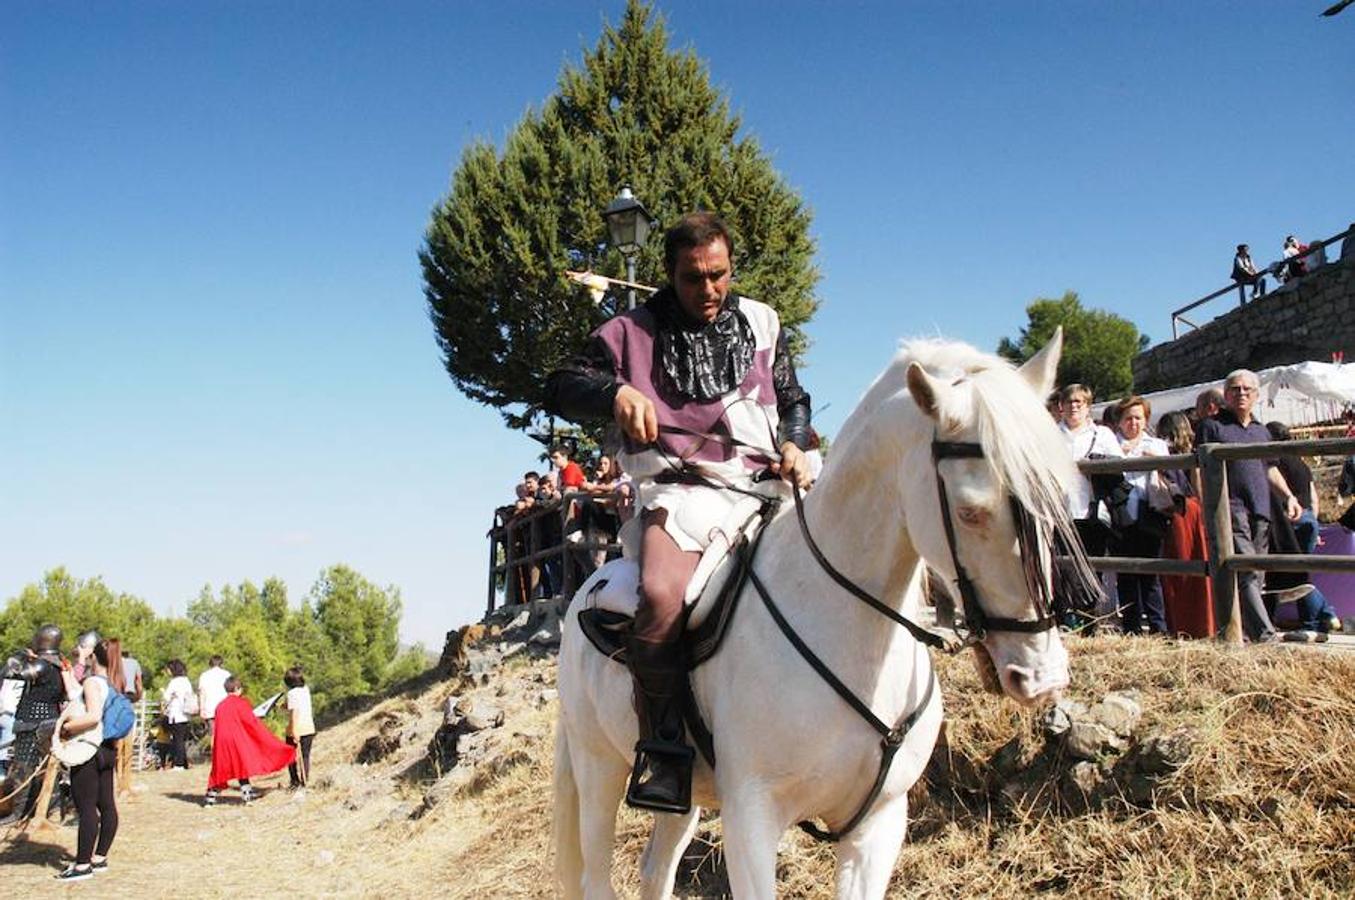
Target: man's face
{"points": [[701, 279], [532, 485], [558, 460], [1240, 396]]}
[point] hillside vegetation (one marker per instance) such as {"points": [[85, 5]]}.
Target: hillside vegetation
{"points": [[1254, 795]]}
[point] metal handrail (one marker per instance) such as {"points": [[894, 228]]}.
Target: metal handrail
{"points": [[1233, 285]]}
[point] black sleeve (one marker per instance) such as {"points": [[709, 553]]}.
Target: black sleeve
{"points": [[585, 387], [792, 402]]}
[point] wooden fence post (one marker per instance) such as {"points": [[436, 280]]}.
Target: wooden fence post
{"points": [[1218, 515], [566, 571], [494, 532]]}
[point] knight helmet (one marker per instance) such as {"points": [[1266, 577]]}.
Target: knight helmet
{"points": [[47, 640]]}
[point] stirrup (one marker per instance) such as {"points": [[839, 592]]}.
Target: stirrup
{"points": [[674, 760]]}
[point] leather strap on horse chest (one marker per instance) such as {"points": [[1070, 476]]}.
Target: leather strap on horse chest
{"points": [[891, 738], [917, 631]]}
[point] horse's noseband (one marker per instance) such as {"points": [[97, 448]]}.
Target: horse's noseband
{"points": [[977, 621]]}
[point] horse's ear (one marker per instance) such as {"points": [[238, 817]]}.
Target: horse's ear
{"points": [[924, 388], [1041, 370]]}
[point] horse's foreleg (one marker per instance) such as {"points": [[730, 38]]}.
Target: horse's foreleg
{"points": [[601, 782], [866, 857], [751, 833], [568, 849], [659, 863]]}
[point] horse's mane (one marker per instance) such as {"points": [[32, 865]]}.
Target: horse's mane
{"points": [[1019, 438]]}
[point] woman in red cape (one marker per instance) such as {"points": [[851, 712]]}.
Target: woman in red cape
{"points": [[242, 747]]}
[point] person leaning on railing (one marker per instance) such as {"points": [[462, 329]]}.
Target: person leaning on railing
{"points": [[1316, 616], [1087, 506], [1249, 484], [1140, 596], [527, 574], [1086, 440], [599, 515], [549, 534]]}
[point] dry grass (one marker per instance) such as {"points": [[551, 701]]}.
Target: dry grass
{"points": [[1263, 806]]}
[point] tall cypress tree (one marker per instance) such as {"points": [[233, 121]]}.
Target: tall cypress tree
{"points": [[634, 113]]}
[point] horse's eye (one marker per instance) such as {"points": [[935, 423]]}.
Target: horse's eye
{"points": [[973, 516]]}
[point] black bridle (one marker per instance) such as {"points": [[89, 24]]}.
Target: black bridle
{"points": [[1033, 557], [1034, 560]]}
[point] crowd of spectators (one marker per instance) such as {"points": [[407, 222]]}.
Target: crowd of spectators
{"points": [[1273, 505], [565, 506], [1297, 259]]}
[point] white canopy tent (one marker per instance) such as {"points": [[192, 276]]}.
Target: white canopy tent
{"points": [[1302, 394]]}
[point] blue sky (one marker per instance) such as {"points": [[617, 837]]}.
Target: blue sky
{"points": [[215, 360]]}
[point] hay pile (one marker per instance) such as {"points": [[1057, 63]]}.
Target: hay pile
{"points": [[1261, 801]]}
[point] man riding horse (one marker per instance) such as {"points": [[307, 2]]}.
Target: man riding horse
{"points": [[698, 380]]}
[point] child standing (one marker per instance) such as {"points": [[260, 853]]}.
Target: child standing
{"points": [[300, 724]]}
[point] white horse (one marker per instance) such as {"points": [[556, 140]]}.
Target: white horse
{"points": [[787, 747]]}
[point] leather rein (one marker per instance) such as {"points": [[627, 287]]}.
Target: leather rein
{"points": [[977, 622]]}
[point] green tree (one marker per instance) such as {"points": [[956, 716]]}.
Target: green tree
{"points": [[637, 113], [1098, 347], [78, 605], [361, 622], [343, 635], [311, 649], [75, 605], [274, 600]]}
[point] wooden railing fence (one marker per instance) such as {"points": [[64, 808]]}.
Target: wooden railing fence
{"points": [[516, 549]]}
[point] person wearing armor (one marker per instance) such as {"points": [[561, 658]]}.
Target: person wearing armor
{"points": [[697, 377], [39, 667], [83, 663]]}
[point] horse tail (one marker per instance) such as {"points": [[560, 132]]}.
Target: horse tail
{"points": [[565, 827]]}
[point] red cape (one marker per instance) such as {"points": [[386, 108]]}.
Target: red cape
{"points": [[242, 747]]}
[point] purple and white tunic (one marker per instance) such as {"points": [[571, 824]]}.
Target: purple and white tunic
{"points": [[625, 350]]}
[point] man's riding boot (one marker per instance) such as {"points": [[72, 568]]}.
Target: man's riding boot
{"points": [[662, 777]]}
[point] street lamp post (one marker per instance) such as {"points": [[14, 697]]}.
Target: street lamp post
{"points": [[628, 222]]}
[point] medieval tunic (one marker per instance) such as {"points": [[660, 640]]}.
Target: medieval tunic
{"points": [[731, 436]]}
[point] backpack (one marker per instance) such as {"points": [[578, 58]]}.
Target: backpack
{"points": [[119, 718]]}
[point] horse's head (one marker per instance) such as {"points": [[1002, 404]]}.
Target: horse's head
{"points": [[996, 469]]}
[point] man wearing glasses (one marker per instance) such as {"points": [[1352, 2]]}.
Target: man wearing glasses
{"points": [[1249, 484]]}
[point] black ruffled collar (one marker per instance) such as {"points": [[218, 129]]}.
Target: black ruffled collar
{"points": [[702, 360]]}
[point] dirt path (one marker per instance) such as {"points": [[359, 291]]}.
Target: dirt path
{"points": [[166, 837], [351, 839]]}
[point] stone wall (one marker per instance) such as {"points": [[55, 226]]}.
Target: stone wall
{"points": [[1308, 321]]}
